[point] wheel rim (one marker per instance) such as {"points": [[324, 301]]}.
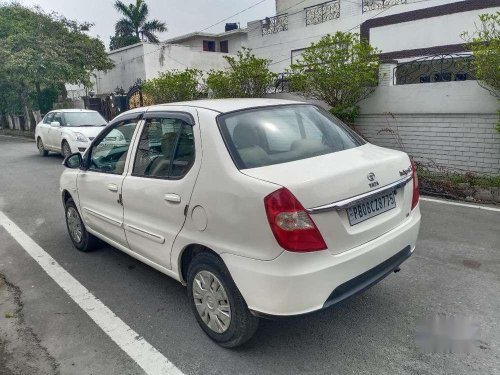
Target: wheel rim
{"points": [[74, 224], [40, 146], [66, 149], [211, 301]]}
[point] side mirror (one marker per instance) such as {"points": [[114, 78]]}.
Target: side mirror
{"points": [[55, 123], [73, 161]]}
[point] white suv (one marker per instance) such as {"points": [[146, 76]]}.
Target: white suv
{"points": [[263, 208], [67, 131]]}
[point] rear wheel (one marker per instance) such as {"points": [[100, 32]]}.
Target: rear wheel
{"points": [[83, 240], [41, 148], [65, 149], [217, 303]]}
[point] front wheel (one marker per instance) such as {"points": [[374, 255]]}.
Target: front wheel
{"points": [[41, 148], [217, 303], [83, 240], [65, 149]]}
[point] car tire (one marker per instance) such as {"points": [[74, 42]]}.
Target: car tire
{"points": [[41, 148], [83, 240], [65, 149], [241, 325]]}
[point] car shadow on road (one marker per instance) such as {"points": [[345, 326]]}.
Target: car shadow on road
{"points": [[360, 327]]}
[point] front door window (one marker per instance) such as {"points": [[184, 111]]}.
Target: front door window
{"points": [[110, 153]]}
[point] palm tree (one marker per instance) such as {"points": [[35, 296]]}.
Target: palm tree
{"points": [[135, 23]]}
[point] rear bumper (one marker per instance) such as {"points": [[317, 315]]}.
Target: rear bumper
{"points": [[295, 284]]}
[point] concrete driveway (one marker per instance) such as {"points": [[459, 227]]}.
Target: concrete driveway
{"points": [[455, 271]]}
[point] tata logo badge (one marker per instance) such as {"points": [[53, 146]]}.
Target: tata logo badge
{"points": [[371, 177]]}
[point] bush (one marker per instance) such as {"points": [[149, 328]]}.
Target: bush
{"points": [[173, 86], [485, 44], [247, 77], [340, 70]]}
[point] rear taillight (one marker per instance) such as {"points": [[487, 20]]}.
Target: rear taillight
{"points": [[416, 192], [291, 224]]}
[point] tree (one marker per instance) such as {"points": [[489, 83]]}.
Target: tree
{"points": [[247, 77], [485, 44], [134, 26], [41, 52], [173, 86], [120, 41], [340, 70]]}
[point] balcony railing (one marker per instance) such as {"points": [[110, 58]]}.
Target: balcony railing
{"points": [[274, 25], [322, 12], [369, 5], [437, 68]]}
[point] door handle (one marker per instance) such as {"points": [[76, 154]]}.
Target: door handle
{"points": [[113, 188], [174, 198]]}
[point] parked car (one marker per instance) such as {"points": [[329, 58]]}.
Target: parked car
{"points": [[67, 131], [263, 208]]}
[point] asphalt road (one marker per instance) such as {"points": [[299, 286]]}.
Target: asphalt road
{"points": [[455, 271]]}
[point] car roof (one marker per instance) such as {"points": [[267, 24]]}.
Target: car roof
{"points": [[225, 105], [73, 110]]}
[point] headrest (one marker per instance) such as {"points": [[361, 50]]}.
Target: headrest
{"points": [[245, 135]]}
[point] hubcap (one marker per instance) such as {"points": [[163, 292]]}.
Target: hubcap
{"points": [[74, 224], [211, 301], [40, 146]]}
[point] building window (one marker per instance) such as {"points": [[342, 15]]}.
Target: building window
{"points": [[208, 46], [224, 46]]}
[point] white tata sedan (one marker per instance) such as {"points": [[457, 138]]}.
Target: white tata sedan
{"points": [[67, 131], [262, 208]]}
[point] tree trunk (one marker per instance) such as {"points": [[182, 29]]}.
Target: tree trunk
{"points": [[38, 95], [24, 105]]}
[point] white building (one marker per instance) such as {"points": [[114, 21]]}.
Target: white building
{"points": [[143, 61], [400, 29], [427, 101]]}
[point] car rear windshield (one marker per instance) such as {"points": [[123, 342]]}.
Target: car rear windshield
{"points": [[273, 135], [83, 119]]}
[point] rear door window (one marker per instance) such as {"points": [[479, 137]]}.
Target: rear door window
{"points": [[166, 149], [281, 134]]}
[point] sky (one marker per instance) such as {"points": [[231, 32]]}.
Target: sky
{"points": [[181, 16]]}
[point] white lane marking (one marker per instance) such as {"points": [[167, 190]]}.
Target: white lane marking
{"points": [[460, 204], [143, 353]]}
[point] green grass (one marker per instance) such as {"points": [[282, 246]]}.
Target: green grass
{"points": [[454, 179]]}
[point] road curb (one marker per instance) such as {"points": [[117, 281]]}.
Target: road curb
{"points": [[28, 139]]}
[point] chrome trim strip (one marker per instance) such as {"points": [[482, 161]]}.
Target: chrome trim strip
{"points": [[141, 232], [103, 217], [345, 203]]}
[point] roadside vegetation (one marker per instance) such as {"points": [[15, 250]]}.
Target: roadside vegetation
{"points": [[340, 69], [440, 181], [134, 26], [485, 44], [247, 77], [39, 53], [173, 86]]}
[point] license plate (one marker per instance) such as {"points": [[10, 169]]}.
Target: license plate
{"points": [[370, 207]]}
